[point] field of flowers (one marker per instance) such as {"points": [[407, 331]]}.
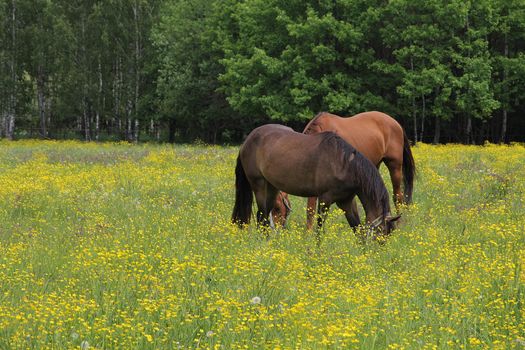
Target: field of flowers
{"points": [[130, 246]]}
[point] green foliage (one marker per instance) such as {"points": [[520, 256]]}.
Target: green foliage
{"points": [[292, 60], [213, 70], [508, 58], [189, 67], [85, 60]]}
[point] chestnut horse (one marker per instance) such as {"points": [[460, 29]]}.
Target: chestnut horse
{"points": [[281, 209], [275, 158], [378, 137]]}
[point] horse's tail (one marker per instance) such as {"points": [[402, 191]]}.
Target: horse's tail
{"points": [[409, 169], [242, 210]]}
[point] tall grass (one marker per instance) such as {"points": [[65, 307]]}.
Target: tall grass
{"points": [[120, 246]]}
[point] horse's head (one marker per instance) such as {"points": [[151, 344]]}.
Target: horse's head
{"points": [[312, 128], [281, 209], [384, 225]]}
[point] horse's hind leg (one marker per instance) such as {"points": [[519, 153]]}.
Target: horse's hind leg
{"points": [[395, 168], [271, 196], [310, 212], [265, 195]]}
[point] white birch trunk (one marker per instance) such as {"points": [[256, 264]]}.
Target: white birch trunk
{"points": [[136, 9], [101, 101], [504, 119], [422, 119], [41, 97], [11, 106], [414, 112]]}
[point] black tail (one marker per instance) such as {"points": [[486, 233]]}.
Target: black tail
{"points": [[409, 170], [242, 210]]}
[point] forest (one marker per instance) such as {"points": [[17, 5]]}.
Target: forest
{"points": [[212, 70]]}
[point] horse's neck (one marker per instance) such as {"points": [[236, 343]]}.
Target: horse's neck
{"points": [[373, 209]]}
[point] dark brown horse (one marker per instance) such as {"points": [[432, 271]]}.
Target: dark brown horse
{"points": [[275, 157], [378, 137]]}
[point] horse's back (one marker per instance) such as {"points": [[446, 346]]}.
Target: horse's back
{"points": [[268, 144], [259, 143], [375, 134], [289, 160], [267, 130], [380, 120]]}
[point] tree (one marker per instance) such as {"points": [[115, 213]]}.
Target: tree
{"points": [[40, 51], [291, 60], [187, 87], [473, 88], [213, 70], [105, 75], [508, 59], [421, 37], [9, 68]]}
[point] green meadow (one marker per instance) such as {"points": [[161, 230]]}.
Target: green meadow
{"points": [[113, 245]]}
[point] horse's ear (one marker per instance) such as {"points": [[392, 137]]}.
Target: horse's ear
{"points": [[392, 219], [352, 155]]}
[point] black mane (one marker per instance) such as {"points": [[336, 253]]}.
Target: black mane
{"points": [[362, 169]]}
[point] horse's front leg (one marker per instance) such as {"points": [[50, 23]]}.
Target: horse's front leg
{"points": [[264, 219], [322, 212], [349, 206]]}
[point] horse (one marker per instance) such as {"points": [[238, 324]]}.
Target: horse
{"points": [[282, 209], [380, 138], [275, 158]]}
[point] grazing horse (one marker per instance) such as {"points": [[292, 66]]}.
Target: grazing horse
{"points": [[378, 137], [275, 158], [281, 209]]}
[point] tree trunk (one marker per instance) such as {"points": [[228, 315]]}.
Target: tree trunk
{"points": [[9, 117], [3, 121], [468, 131], [504, 119], [136, 131], [85, 115], [171, 132], [116, 94], [40, 87], [422, 119], [414, 112], [136, 16], [11, 105], [129, 126], [101, 100], [128, 129], [97, 125], [503, 127], [437, 131], [414, 117]]}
